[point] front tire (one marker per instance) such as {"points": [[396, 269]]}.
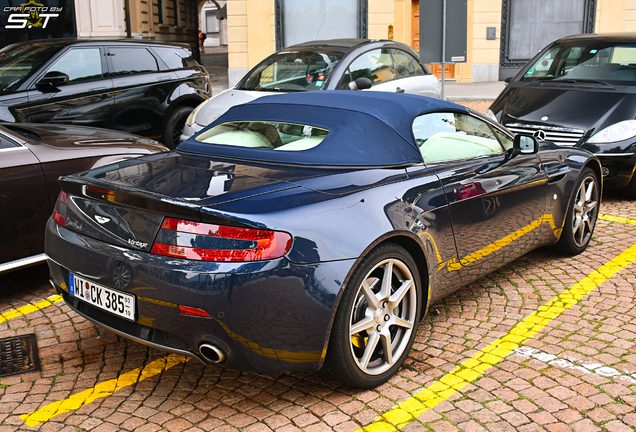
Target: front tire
{"points": [[377, 319], [582, 214], [173, 126]]}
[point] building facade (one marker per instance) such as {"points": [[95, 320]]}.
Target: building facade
{"points": [[257, 28], [211, 25], [166, 20]]}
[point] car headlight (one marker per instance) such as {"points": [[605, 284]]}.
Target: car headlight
{"points": [[617, 132], [491, 114], [193, 115]]}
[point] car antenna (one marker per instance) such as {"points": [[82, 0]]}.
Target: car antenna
{"points": [[319, 28]]}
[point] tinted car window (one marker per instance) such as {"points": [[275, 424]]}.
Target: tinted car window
{"points": [[293, 71], [175, 58], [17, 63], [127, 61], [405, 64], [376, 65], [5, 143], [452, 136], [592, 61], [80, 64]]}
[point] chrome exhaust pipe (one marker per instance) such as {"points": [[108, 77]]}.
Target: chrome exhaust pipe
{"points": [[211, 353]]}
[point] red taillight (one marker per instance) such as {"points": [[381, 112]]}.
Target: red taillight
{"points": [[240, 244], [192, 311], [59, 218], [63, 197]]}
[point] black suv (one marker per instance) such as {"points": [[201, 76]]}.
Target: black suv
{"points": [[135, 86]]}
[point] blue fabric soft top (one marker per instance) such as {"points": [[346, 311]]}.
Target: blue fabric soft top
{"points": [[371, 129]]}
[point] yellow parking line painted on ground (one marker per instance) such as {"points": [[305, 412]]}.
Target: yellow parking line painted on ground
{"points": [[30, 308], [474, 368], [616, 219], [101, 390]]}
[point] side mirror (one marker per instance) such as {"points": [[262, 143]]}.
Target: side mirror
{"points": [[525, 144], [51, 81], [361, 84], [507, 79]]}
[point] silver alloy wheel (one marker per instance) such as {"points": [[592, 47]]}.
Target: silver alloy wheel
{"points": [[383, 316], [585, 210]]}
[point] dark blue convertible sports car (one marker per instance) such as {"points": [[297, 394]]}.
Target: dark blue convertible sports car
{"points": [[309, 231]]}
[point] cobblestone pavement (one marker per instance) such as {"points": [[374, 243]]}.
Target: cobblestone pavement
{"points": [[578, 372]]}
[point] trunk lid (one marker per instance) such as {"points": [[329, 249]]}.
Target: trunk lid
{"points": [[125, 203]]}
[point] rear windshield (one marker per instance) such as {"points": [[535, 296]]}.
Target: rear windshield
{"points": [[292, 71], [265, 135], [19, 63], [586, 62]]}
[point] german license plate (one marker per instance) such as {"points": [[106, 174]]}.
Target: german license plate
{"points": [[108, 299]]}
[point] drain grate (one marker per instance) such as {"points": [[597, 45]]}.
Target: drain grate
{"points": [[19, 355]]}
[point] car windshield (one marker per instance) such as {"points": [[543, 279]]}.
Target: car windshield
{"points": [[17, 63], [265, 134], [593, 62], [293, 71]]}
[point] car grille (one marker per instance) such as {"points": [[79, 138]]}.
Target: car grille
{"points": [[153, 335], [563, 136]]}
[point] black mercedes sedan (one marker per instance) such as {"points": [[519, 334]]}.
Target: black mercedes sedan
{"points": [[140, 87], [580, 91], [307, 231]]}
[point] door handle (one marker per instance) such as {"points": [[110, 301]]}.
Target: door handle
{"points": [[96, 89], [163, 78], [399, 90]]}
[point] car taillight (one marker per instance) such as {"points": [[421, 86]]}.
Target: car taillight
{"points": [[60, 208], [59, 218], [208, 242]]}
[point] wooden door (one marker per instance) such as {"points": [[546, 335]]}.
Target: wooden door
{"points": [[449, 73]]}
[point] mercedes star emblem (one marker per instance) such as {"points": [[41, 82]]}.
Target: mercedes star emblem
{"points": [[540, 135]]}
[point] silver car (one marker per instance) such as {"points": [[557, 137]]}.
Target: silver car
{"points": [[337, 64]]}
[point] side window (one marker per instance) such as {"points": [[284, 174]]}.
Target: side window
{"points": [[344, 81], [80, 64], [175, 58], [376, 65], [504, 139], [7, 144], [128, 61], [453, 136], [405, 64]]}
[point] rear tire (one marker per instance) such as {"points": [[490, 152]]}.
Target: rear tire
{"points": [[173, 126], [582, 214], [377, 319]]}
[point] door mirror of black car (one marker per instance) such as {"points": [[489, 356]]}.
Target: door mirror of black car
{"points": [[51, 81], [361, 84], [507, 79], [525, 144]]}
